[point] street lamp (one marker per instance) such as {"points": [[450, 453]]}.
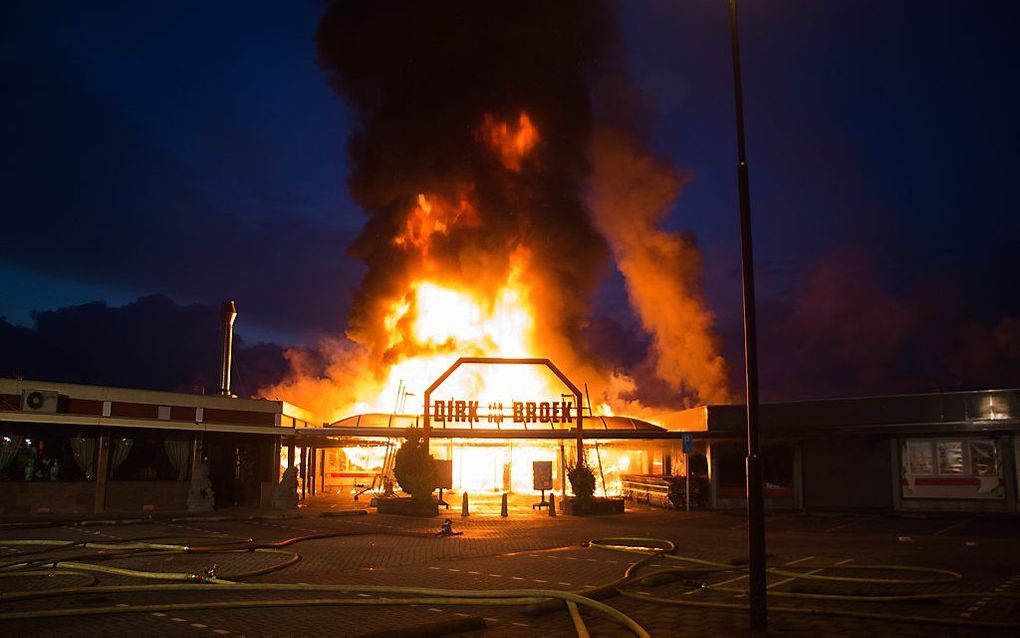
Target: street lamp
{"points": [[755, 504]]}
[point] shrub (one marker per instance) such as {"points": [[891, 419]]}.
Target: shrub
{"points": [[582, 481], [414, 468]]}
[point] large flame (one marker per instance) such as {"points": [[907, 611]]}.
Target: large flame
{"points": [[433, 324], [457, 299], [434, 215]]}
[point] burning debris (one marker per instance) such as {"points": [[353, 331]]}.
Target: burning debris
{"points": [[472, 156]]}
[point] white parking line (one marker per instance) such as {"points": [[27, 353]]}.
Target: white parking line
{"points": [[742, 577], [813, 571]]}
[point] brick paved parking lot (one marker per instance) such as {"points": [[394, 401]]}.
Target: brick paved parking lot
{"points": [[529, 550]]}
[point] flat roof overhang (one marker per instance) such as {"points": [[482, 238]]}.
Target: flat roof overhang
{"points": [[30, 418], [329, 437]]}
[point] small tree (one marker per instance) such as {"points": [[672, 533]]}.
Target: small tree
{"points": [[414, 468], [582, 481]]}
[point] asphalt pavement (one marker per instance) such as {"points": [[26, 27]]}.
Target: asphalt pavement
{"points": [[813, 558]]}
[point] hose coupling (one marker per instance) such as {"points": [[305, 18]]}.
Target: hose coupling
{"points": [[205, 576]]}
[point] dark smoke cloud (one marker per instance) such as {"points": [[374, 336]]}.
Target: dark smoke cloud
{"points": [[420, 78], [152, 343], [842, 331]]}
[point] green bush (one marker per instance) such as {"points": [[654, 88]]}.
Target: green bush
{"points": [[582, 481], [414, 468]]}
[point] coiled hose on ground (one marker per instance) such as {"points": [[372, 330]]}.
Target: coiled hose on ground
{"points": [[39, 562]]}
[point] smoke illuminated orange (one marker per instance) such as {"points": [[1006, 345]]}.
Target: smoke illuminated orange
{"points": [[512, 143], [434, 215]]}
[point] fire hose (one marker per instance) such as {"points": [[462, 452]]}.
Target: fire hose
{"points": [[649, 548]]}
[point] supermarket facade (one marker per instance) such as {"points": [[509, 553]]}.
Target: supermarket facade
{"points": [[84, 449]]}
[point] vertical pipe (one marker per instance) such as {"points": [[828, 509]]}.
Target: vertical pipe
{"points": [[322, 469], [228, 313], [755, 501]]}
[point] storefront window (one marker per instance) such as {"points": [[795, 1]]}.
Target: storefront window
{"points": [[950, 457], [47, 453], [149, 455], [984, 458], [967, 457], [921, 457]]}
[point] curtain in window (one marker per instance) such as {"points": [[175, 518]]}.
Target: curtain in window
{"points": [[84, 449], [119, 451], [9, 444], [179, 453]]}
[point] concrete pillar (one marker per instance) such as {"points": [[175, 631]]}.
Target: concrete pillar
{"points": [[713, 478], [303, 471], [798, 475], [314, 473], [322, 469], [102, 469], [1009, 470], [896, 470], [196, 453], [274, 474]]}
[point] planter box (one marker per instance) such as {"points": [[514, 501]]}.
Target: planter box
{"points": [[407, 507], [593, 506]]}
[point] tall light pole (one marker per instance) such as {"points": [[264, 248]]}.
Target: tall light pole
{"points": [[755, 504]]}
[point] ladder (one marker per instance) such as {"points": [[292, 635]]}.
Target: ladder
{"points": [[386, 472]]}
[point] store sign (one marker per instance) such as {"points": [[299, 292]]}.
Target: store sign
{"points": [[541, 472], [462, 411]]}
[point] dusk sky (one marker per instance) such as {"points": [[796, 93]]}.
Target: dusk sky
{"points": [[195, 150]]}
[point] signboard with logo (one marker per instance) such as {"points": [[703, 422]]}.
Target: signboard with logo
{"points": [[542, 475], [444, 474], [465, 411]]}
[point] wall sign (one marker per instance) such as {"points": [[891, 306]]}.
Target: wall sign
{"points": [[463, 411]]}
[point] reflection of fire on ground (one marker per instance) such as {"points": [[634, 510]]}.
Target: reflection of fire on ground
{"points": [[497, 191]]}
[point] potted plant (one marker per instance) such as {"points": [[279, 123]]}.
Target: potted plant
{"points": [[584, 502], [415, 471]]}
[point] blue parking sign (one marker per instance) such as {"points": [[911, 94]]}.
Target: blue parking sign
{"points": [[688, 443]]}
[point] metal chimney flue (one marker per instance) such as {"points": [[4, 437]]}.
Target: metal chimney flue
{"points": [[228, 313]]}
